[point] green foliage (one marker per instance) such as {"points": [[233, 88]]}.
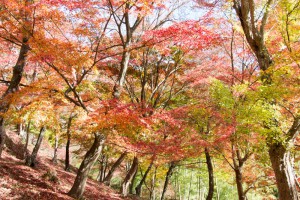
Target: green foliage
{"points": [[222, 95], [51, 175]]}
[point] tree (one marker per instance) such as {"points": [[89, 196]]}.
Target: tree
{"points": [[278, 151], [88, 161], [25, 29]]}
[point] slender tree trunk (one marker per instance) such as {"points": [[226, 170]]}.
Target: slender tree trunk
{"points": [[124, 66], [152, 189], [2, 135], [238, 162], [131, 186], [54, 160], [105, 166], [138, 188], [90, 157], [108, 177], [199, 188], [210, 170], [217, 188], [239, 183], [20, 129], [27, 139], [67, 159], [284, 172], [31, 160], [100, 176], [190, 186], [129, 177], [168, 177]]}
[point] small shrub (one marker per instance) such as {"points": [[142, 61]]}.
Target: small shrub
{"points": [[51, 175]]}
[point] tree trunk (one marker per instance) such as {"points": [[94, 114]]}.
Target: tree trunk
{"points": [[89, 159], [27, 139], [210, 170], [124, 66], [239, 183], [31, 160], [138, 188], [168, 177], [152, 189], [131, 186], [13, 86], [2, 135], [54, 160], [129, 177], [108, 177], [100, 176], [190, 186], [21, 129], [105, 166], [67, 159], [284, 173]]}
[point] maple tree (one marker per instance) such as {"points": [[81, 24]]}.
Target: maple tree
{"points": [[278, 150], [135, 87]]}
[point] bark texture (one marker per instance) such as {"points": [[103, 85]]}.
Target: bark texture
{"points": [[253, 33], [239, 183], [284, 172], [90, 157]]}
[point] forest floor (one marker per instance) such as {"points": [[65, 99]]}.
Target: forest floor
{"points": [[47, 181]]}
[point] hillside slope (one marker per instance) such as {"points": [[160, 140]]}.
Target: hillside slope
{"points": [[45, 181]]}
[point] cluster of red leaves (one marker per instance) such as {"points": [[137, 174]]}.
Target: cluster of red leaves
{"points": [[187, 35]]}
